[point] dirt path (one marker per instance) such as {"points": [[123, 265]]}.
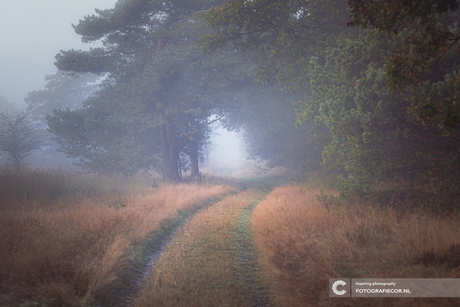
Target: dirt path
{"points": [[147, 269], [214, 261], [247, 256], [158, 244]]}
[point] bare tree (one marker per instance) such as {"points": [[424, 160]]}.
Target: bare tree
{"points": [[18, 138]]}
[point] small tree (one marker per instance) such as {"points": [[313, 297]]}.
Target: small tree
{"points": [[18, 138]]}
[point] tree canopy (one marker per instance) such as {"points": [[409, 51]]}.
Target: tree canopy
{"points": [[160, 90], [349, 77], [282, 34], [372, 133], [431, 33], [266, 121], [62, 90]]}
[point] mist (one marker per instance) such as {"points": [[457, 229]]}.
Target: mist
{"points": [[228, 155], [32, 33]]}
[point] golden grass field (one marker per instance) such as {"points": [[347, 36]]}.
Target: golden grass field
{"points": [[71, 240], [74, 251], [303, 243]]}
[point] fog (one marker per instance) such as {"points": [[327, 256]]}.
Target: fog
{"points": [[32, 33], [228, 155]]}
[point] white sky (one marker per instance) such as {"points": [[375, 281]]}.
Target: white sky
{"points": [[32, 32], [227, 145], [228, 154]]}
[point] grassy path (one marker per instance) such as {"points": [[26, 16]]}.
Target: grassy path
{"points": [[211, 261], [249, 271], [145, 257]]}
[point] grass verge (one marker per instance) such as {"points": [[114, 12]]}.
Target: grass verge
{"points": [[304, 243]]}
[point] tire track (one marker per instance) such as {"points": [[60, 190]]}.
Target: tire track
{"points": [[239, 245], [158, 244], [148, 267], [247, 257]]}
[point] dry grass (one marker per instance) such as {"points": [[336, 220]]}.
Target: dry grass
{"points": [[45, 186], [73, 252], [199, 268], [304, 243]]}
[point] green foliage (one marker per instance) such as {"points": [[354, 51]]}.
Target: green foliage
{"points": [[431, 36], [422, 65], [282, 34], [373, 135], [390, 15], [108, 135], [62, 91]]}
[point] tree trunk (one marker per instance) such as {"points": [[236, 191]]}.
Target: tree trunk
{"points": [[164, 153], [195, 171], [169, 153], [173, 152]]}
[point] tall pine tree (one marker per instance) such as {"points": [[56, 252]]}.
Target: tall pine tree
{"points": [[160, 90]]}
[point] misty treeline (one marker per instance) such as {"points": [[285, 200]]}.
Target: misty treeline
{"points": [[19, 135], [18, 138], [362, 90]]}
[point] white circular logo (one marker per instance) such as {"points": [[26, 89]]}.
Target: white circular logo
{"points": [[337, 283]]}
